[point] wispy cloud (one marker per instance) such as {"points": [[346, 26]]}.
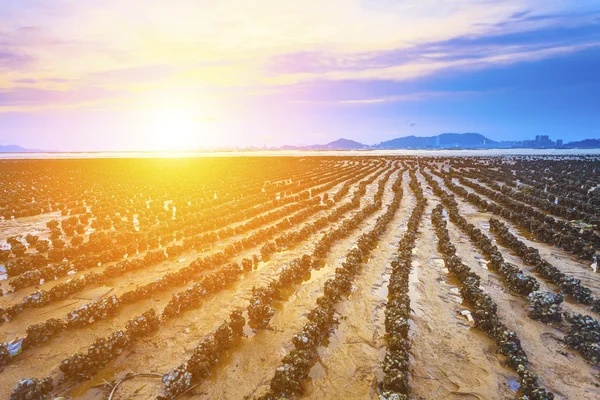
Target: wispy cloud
{"points": [[416, 96], [11, 60], [64, 49]]}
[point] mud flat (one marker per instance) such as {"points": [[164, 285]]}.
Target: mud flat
{"points": [[193, 239]]}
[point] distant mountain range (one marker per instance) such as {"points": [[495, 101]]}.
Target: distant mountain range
{"points": [[13, 148], [583, 144], [445, 140], [340, 144], [442, 141]]}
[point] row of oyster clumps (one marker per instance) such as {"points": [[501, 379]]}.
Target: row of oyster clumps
{"points": [[584, 336], [206, 354], [30, 269], [92, 186], [104, 308], [546, 228], [204, 357], [296, 365], [534, 196], [98, 355], [515, 279], [34, 268], [566, 197], [209, 284], [271, 247], [108, 307], [531, 256], [103, 350], [544, 306], [485, 314], [260, 310], [191, 209], [395, 366], [104, 246], [112, 271], [286, 239]]}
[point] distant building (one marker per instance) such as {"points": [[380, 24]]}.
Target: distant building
{"points": [[540, 142], [559, 142]]}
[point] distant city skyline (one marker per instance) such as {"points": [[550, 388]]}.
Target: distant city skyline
{"points": [[138, 75]]}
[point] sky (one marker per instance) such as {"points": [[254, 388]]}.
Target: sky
{"points": [[80, 75]]}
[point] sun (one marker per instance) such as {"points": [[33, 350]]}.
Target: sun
{"points": [[176, 129]]}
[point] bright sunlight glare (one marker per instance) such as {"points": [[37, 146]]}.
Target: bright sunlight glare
{"points": [[178, 129]]}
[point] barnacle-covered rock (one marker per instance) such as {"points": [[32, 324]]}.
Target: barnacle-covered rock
{"points": [[544, 306], [395, 367], [237, 323], [260, 311], [94, 311], [529, 388], [584, 336], [5, 356], [176, 381], [32, 389], [37, 299], [293, 370], [42, 332], [144, 324]]}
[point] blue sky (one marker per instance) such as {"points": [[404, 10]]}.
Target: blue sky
{"points": [[103, 75]]}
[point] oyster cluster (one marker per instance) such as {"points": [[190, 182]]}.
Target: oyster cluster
{"points": [[32, 389], [95, 311], [42, 332], [545, 306]]}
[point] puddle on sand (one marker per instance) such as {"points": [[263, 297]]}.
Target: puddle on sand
{"points": [[108, 373], [413, 282], [380, 290], [513, 385], [317, 274], [455, 291], [379, 374]]}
